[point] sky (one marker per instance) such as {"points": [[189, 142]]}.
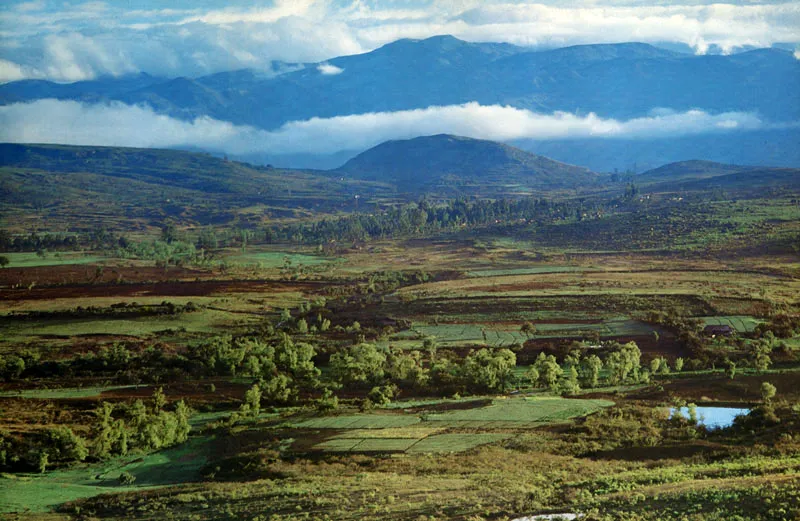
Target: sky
{"points": [[67, 40]]}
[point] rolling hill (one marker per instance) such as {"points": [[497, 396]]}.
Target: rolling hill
{"points": [[75, 186], [696, 175], [446, 163]]}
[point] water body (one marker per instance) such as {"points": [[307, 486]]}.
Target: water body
{"points": [[712, 417]]}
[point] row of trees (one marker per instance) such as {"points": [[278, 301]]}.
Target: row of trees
{"points": [[117, 430]]}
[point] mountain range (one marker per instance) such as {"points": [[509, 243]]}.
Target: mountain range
{"points": [[621, 81]]}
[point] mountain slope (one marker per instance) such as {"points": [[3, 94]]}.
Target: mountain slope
{"points": [[613, 80], [445, 162], [692, 169], [82, 186]]}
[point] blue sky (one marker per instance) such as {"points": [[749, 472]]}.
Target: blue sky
{"points": [[65, 40]]}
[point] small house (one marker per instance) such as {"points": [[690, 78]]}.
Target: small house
{"points": [[718, 330]]}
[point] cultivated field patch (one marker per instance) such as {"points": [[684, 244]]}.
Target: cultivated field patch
{"points": [[741, 323], [523, 411]]}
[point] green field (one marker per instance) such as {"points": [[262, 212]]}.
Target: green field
{"points": [[504, 335], [277, 259], [203, 321], [32, 260], [741, 323], [63, 393], [358, 421], [519, 412], [426, 444], [526, 271], [43, 492]]}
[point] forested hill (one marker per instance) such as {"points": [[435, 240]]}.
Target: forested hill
{"points": [[79, 184], [445, 162]]}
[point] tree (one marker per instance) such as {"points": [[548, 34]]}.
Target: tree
{"points": [[159, 399], [549, 371], [768, 392], [533, 376], [624, 363], [106, 432], [760, 351], [126, 479], [569, 385], [64, 444], [382, 395], [252, 402], [4, 261], [279, 389], [327, 402], [169, 233], [407, 369], [528, 329], [296, 359], [183, 428], [679, 364], [302, 326], [590, 373], [730, 369], [360, 363], [490, 370]]}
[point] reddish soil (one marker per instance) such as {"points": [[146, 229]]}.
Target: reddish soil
{"points": [[505, 288], [174, 288], [75, 274], [193, 392], [667, 346], [720, 388]]}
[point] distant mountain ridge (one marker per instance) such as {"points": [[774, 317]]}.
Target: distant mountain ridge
{"points": [[614, 80], [705, 175], [444, 161], [691, 169], [620, 81]]}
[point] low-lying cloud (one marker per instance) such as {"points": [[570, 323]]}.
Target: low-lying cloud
{"points": [[117, 124], [329, 70]]}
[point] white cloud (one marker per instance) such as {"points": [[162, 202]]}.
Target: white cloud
{"points": [[329, 70], [10, 71], [116, 124], [197, 41]]}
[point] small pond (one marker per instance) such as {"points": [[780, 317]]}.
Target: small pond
{"points": [[712, 417]]}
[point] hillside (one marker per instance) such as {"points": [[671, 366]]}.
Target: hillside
{"points": [[444, 163], [122, 186], [692, 169], [698, 175]]}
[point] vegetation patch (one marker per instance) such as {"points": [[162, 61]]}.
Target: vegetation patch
{"points": [[360, 421], [455, 442], [521, 412]]}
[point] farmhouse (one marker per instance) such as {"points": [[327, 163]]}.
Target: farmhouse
{"points": [[718, 330]]}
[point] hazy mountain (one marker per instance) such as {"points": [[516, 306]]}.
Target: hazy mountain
{"points": [[708, 175], [623, 81], [444, 162], [613, 80], [692, 169]]}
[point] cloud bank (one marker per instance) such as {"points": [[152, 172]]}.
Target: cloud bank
{"points": [[117, 124], [70, 41]]}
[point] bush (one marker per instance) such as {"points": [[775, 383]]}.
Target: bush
{"points": [[126, 479]]}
